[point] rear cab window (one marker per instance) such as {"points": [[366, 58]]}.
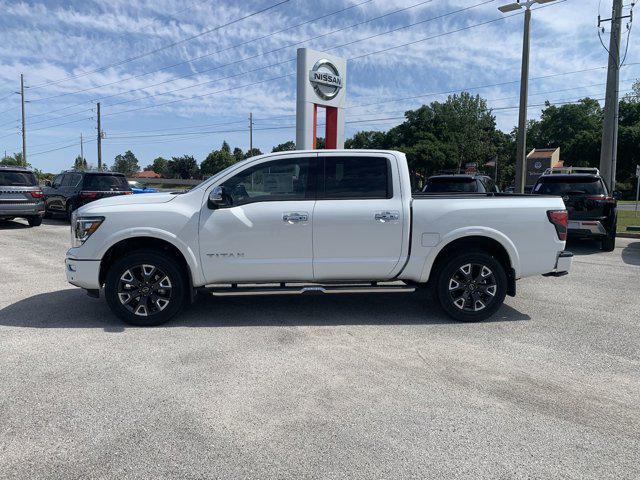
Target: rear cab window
{"points": [[570, 185], [104, 182], [17, 179], [355, 178]]}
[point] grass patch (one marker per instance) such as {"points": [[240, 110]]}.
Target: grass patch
{"points": [[627, 218]]}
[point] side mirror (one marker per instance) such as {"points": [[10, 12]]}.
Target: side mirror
{"points": [[47, 183], [617, 194], [219, 198]]}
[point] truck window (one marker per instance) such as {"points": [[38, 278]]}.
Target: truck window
{"points": [[564, 185], [356, 178], [17, 179], [280, 180], [105, 183], [451, 184]]}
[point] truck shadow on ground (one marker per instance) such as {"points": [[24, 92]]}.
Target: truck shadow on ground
{"points": [[631, 254], [71, 308], [19, 224]]}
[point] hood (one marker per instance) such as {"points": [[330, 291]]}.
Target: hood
{"points": [[118, 200]]}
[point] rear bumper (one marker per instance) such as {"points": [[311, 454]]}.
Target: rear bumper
{"points": [[563, 265], [586, 228], [83, 273], [20, 210]]}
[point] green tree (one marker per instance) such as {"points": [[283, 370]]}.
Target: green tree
{"points": [[14, 160], [217, 160], [80, 163], [367, 139], [126, 164], [238, 154], [252, 152], [158, 166], [184, 167], [284, 147]]}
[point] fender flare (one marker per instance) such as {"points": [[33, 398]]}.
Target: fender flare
{"points": [[476, 231], [141, 232]]}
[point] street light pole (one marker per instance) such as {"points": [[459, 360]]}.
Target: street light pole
{"points": [[521, 158], [521, 155]]}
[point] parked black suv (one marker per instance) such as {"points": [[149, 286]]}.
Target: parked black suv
{"points": [[20, 195], [74, 188], [592, 211], [460, 183]]}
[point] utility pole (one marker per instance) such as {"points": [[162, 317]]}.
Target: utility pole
{"points": [[99, 139], [81, 149], [609, 145], [250, 131], [521, 158], [24, 127]]}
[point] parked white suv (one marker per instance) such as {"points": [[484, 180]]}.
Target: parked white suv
{"points": [[313, 221]]}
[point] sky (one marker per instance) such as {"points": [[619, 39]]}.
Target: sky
{"points": [[178, 77]]}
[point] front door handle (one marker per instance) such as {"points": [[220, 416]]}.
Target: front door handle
{"points": [[387, 216], [295, 217]]}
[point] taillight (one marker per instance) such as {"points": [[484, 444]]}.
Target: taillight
{"points": [[37, 194], [601, 198], [128, 193], [88, 194], [560, 220]]}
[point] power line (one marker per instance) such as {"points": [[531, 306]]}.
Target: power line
{"points": [[262, 54], [151, 52], [192, 59]]}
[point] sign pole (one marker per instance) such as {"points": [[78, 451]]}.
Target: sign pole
{"points": [[637, 186]]}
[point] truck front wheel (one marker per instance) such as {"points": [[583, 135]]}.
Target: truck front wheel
{"points": [[145, 288], [471, 286]]}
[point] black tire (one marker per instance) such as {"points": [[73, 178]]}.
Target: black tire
{"points": [[172, 291], [35, 221], [609, 242], [485, 282], [47, 212]]}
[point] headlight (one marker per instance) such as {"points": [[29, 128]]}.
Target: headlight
{"points": [[84, 227]]}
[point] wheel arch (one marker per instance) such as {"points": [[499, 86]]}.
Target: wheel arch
{"points": [[127, 245], [503, 251]]}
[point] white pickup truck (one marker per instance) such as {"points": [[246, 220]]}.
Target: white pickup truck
{"points": [[334, 221]]}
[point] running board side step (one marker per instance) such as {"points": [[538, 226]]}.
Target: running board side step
{"points": [[299, 289]]}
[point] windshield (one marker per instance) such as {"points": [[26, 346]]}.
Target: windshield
{"points": [[105, 183], [565, 185], [450, 184], [17, 179], [135, 185]]}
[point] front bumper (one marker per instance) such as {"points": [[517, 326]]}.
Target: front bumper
{"points": [[563, 264], [83, 273]]}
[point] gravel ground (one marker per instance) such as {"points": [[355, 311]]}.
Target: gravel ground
{"points": [[362, 386]]}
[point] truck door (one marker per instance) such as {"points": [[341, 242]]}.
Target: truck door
{"points": [[265, 234], [358, 220]]}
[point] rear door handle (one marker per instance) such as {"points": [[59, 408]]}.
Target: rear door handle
{"points": [[295, 217], [387, 216]]}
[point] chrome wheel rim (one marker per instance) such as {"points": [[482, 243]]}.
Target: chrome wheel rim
{"points": [[144, 290], [472, 287]]}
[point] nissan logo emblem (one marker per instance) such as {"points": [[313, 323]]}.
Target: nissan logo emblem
{"points": [[326, 79]]}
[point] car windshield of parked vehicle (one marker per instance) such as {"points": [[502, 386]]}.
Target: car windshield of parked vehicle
{"points": [[450, 184], [104, 182], [136, 185], [567, 185], [17, 179]]}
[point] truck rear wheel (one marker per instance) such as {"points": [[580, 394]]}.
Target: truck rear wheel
{"points": [[145, 288], [471, 286]]}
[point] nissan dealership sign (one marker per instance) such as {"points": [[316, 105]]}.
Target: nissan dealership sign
{"points": [[321, 83]]}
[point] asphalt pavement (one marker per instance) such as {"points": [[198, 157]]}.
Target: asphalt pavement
{"points": [[361, 386]]}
